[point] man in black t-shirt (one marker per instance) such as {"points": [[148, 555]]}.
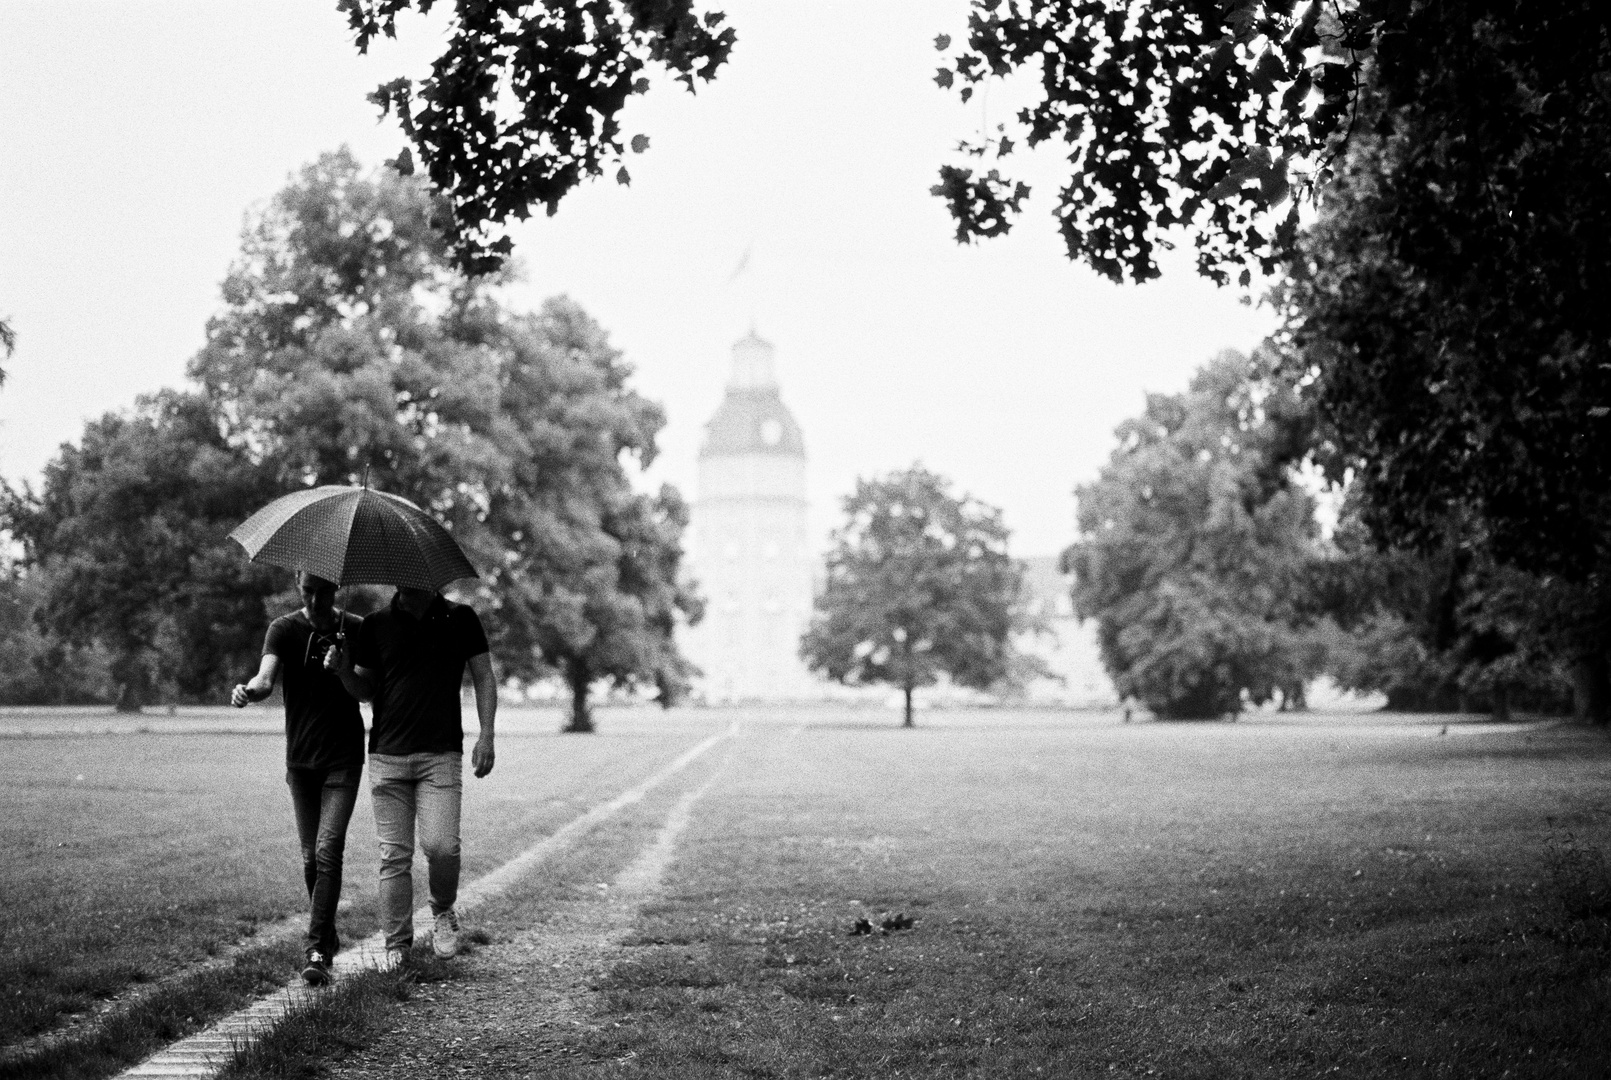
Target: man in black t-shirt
{"points": [[324, 750], [409, 660]]}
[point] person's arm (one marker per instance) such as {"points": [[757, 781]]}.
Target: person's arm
{"points": [[485, 681], [358, 680], [259, 686]]}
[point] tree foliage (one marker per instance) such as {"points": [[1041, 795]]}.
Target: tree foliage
{"points": [[129, 533], [523, 103], [350, 347], [919, 584], [590, 583], [1195, 549], [1445, 314]]}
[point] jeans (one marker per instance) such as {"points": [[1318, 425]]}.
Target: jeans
{"points": [[412, 791], [323, 800]]}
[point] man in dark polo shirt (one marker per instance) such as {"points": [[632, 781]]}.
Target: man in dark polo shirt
{"points": [[409, 660], [324, 750]]}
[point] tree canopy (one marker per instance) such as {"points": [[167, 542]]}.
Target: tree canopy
{"points": [[919, 584], [349, 345], [128, 531], [1445, 311], [523, 103], [1195, 546]]}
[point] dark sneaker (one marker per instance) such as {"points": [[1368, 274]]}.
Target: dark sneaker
{"points": [[445, 934], [316, 972]]}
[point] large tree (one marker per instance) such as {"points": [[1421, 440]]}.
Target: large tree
{"points": [[128, 534], [1446, 314], [350, 345], [919, 584], [1195, 547], [591, 583], [523, 103]]}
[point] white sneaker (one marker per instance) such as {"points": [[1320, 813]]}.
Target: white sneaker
{"points": [[445, 934], [395, 958]]}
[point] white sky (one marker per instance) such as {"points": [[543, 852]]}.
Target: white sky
{"points": [[134, 136]]}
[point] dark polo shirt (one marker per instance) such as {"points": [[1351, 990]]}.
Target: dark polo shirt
{"points": [[323, 729], [418, 667]]}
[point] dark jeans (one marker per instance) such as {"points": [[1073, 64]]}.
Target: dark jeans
{"points": [[323, 799]]}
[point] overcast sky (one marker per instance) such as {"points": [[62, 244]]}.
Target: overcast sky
{"points": [[135, 136]]}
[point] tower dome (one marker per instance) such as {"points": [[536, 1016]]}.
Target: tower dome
{"points": [[752, 418]]}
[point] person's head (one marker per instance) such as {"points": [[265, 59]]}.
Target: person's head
{"points": [[414, 601], [318, 595]]}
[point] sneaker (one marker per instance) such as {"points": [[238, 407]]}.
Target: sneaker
{"points": [[445, 934], [316, 972], [396, 958]]}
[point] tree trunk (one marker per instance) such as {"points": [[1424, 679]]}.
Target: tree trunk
{"points": [[1501, 703], [581, 716], [1591, 689], [130, 677], [908, 720]]}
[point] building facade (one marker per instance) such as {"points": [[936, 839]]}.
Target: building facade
{"points": [[749, 544]]}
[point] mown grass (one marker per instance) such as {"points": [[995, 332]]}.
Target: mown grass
{"points": [[131, 857], [1206, 902], [129, 1035]]}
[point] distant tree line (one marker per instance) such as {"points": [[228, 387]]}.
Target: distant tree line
{"points": [[348, 343]]}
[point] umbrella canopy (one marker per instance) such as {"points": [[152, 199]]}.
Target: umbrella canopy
{"points": [[354, 536]]}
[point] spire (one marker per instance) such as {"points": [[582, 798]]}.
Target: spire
{"points": [[753, 367]]}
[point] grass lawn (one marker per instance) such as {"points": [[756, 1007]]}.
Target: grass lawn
{"points": [[130, 855], [1352, 896]]}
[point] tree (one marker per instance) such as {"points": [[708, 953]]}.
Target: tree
{"points": [[350, 345], [1477, 402], [590, 584], [1195, 546], [523, 104], [128, 535], [1446, 313], [919, 584]]}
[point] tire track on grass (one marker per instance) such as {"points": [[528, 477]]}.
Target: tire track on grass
{"points": [[510, 1015], [205, 1053]]}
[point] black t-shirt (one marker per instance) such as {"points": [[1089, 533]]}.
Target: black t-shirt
{"points": [[418, 666], [323, 729]]}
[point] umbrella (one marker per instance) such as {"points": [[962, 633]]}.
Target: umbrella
{"points": [[354, 536]]}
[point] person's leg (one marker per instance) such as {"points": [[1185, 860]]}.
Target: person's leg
{"points": [[392, 785], [440, 792], [305, 786], [338, 797]]}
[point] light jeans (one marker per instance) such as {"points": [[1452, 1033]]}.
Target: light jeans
{"points": [[423, 792]]}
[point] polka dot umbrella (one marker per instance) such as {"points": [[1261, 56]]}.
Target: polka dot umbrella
{"points": [[354, 536]]}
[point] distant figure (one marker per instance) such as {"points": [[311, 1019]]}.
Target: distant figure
{"points": [[324, 751], [409, 659]]}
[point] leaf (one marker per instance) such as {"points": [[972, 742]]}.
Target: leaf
{"points": [[623, 177], [942, 42], [942, 78], [640, 143], [403, 162]]}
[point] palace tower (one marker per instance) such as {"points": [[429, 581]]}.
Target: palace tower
{"points": [[750, 550]]}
